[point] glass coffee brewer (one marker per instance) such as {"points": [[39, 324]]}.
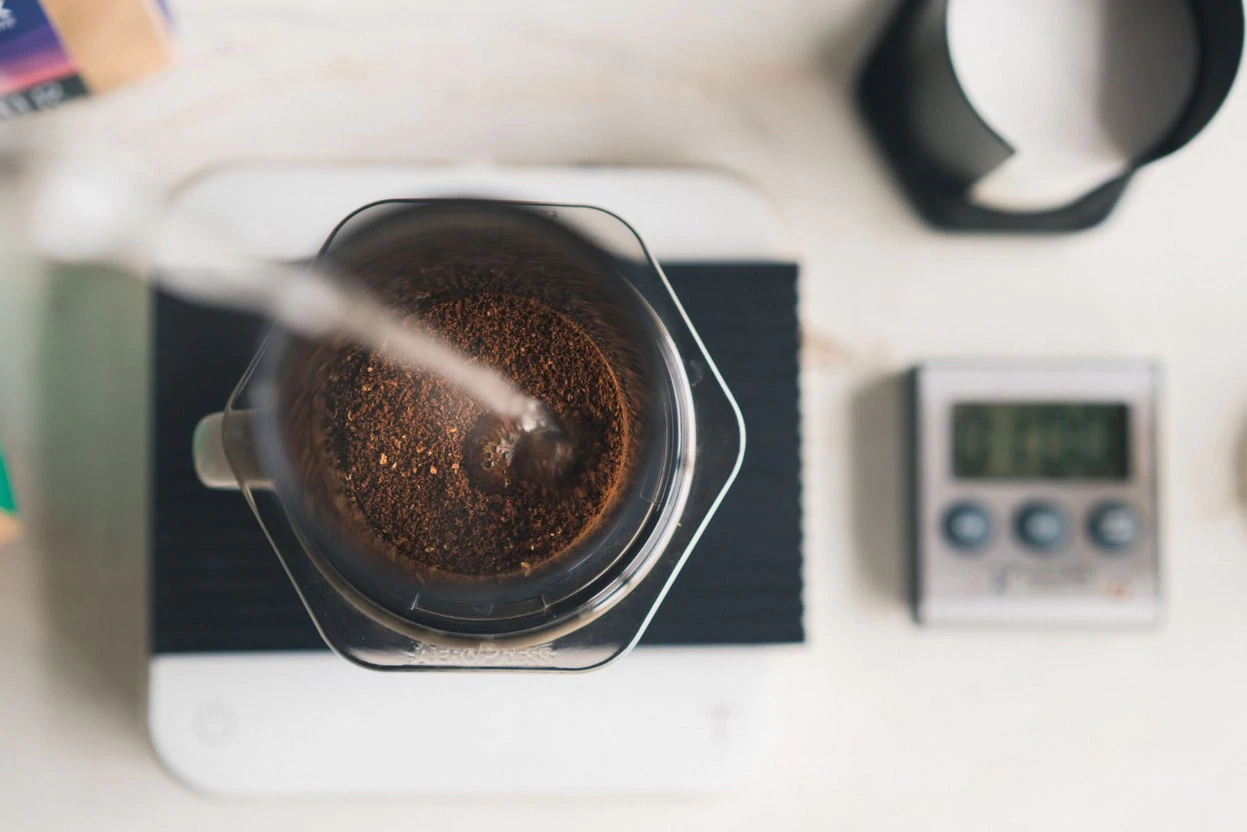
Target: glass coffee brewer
{"points": [[423, 531]]}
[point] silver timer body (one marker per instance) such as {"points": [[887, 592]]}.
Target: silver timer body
{"points": [[1034, 497]]}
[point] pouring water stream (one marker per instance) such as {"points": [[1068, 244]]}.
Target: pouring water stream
{"points": [[96, 208]]}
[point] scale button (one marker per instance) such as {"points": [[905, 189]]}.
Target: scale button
{"points": [[1114, 527], [1041, 527], [967, 526]]}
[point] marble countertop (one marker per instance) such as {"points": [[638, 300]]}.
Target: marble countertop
{"points": [[889, 726]]}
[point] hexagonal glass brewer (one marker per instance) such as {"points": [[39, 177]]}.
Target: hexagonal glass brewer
{"points": [[584, 608]]}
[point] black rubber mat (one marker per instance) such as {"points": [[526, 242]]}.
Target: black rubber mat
{"points": [[217, 586]]}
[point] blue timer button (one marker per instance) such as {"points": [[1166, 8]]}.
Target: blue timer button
{"points": [[967, 526], [1115, 527], [1041, 527]]}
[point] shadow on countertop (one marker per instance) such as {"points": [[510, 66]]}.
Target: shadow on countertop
{"points": [[877, 484]]}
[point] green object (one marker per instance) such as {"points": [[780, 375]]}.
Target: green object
{"points": [[8, 503]]}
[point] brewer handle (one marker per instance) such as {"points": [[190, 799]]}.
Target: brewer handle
{"points": [[225, 451]]}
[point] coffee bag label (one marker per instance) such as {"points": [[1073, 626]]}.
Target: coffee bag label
{"points": [[40, 66], [36, 73]]}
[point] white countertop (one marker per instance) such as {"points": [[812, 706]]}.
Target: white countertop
{"points": [[889, 726]]}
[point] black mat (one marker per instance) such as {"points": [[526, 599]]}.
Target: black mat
{"points": [[217, 585]]}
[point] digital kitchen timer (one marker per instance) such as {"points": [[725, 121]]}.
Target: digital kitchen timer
{"points": [[1034, 493]]}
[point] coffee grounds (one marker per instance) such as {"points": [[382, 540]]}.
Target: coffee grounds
{"points": [[442, 483]]}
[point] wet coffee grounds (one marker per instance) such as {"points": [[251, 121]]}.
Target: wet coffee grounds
{"points": [[440, 482]]}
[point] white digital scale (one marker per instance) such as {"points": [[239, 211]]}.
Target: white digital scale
{"points": [[661, 720], [1035, 493]]}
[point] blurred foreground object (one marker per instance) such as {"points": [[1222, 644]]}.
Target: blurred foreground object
{"points": [[9, 527], [55, 50]]}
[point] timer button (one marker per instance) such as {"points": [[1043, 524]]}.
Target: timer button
{"points": [[1041, 527], [967, 526], [1115, 527]]}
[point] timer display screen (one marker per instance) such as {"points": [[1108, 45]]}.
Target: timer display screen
{"points": [[1041, 441]]}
